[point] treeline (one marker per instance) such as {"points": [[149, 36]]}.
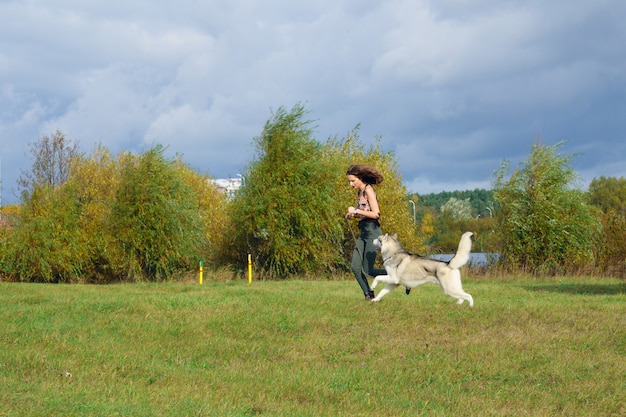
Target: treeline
{"points": [[480, 200], [535, 218], [99, 218], [443, 217]]}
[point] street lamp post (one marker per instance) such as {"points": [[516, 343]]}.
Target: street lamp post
{"points": [[413, 203]]}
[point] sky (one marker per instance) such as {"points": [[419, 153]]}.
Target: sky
{"points": [[453, 88]]}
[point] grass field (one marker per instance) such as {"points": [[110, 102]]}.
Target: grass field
{"points": [[313, 348]]}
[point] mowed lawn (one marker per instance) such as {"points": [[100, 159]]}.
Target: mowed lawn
{"points": [[554, 347]]}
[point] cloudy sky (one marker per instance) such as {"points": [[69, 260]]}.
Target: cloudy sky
{"points": [[453, 87]]}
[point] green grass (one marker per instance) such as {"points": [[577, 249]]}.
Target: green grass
{"points": [[313, 348]]}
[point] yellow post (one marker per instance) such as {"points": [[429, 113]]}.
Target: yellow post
{"points": [[249, 269], [200, 275]]}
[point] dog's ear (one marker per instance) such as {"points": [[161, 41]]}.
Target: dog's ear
{"points": [[395, 236]]}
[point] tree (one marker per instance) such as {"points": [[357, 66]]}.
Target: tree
{"points": [[45, 246], [457, 209], [608, 193], [445, 216], [155, 218], [391, 193], [52, 158], [290, 214], [544, 224], [96, 179], [284, 215], [428, 225], [128, 218], [212, 209], [481, 201]]}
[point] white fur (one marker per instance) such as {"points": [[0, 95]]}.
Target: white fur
{"points": [[411, 270]]}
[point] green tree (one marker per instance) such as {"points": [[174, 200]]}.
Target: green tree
{"points": [[155, 218], [290, 214], [391, 193], [428, 225], [448, 214], [608, 193], [481, 201], [96, 179], [284, 214], [544, 224], [609, 196], [213, 211], [115, 219], [45, 246], [454, 220]]}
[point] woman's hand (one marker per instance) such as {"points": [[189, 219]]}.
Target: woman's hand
{"points": [[350, 213]]}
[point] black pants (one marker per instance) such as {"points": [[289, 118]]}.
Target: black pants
{"points": [[365, 253]]}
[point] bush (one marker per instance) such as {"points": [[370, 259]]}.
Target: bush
{"points": [[544, 224], [285, 216], [155, 219]]}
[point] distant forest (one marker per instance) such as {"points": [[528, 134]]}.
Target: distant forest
{"points": [[480, 200]]}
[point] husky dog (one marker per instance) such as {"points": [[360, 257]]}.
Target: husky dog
{"points": [[410, 270]]}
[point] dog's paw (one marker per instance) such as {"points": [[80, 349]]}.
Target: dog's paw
{"points": [[374, 284], [375, 300]]}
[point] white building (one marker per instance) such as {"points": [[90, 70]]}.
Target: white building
{"points": [[228, 186]]}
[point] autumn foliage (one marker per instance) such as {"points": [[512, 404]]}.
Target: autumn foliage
{"points": [[102, 218]]}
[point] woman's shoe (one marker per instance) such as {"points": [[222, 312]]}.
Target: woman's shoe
{"points": [[369, 295]]}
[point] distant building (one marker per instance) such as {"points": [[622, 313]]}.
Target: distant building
{"points": [[228, 186]]}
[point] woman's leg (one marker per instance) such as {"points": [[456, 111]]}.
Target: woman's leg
{"points": [[357, 266], [371, 252], [369, 232]]}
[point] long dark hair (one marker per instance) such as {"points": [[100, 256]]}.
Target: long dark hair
{"points": [[365, 173]]}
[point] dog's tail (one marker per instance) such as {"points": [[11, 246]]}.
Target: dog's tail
{"points": [[463, 251]]}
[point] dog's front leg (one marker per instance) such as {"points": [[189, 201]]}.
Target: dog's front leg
{"points": [[380, 278], [390, 287]]}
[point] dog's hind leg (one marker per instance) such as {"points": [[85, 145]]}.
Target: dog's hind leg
{"points": [[460, 295], [450, 282]]}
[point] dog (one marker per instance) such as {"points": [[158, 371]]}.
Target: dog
{"points": [[411, 270]]}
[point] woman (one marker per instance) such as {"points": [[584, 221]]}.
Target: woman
{"points": [[362, 177]]}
